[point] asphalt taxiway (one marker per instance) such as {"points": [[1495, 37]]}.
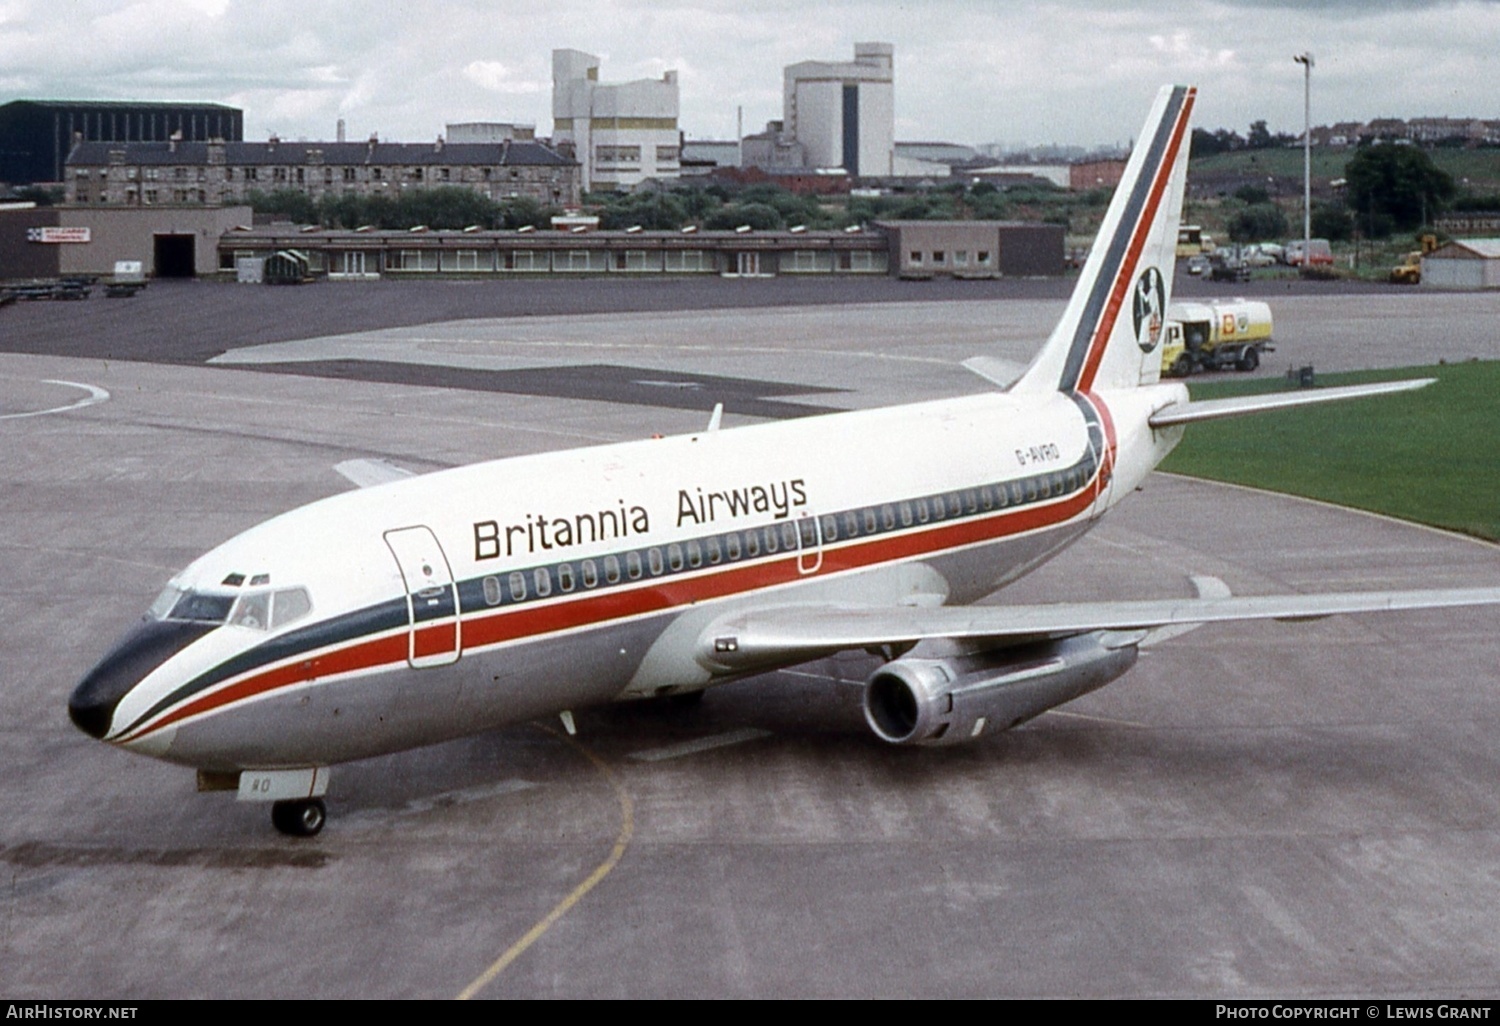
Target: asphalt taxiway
{"points": [[1255, 810]]}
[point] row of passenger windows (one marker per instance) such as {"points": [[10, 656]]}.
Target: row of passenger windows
{"points": [[787, 536]]}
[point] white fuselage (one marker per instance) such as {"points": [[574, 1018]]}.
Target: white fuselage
{"points": [[462, 600]]}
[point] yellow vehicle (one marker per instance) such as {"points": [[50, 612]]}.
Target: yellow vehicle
{"points": [[1220, 335], [1409, 271]]}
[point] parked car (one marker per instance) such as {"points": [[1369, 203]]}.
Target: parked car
{"points": [[1197, 265]]}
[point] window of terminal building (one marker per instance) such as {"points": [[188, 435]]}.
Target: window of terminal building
{"points": [[984, 258], [686, 261], [526, 260], [637, 260], [806, 261], [580, 260], [960, 258], [667, 154], [939, 256], [914, 257], [468, 260]]}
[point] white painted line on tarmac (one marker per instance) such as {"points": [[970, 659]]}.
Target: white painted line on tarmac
{"points": [[445, 800], [95, 395], [703, 744]]}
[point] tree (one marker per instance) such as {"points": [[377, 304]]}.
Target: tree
{"points": [[1331, 222], [1257, 222], [1399, 185]]}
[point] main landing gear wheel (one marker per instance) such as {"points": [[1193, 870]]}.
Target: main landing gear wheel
{"points": [[301, 818]]}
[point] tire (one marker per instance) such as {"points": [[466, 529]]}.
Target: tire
{"points": [[1181, 367], [302, 818], [1249, 359]]}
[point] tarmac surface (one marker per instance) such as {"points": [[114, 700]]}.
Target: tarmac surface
{"points": [[1256, 810]]}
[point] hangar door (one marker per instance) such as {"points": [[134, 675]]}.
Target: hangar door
{"points": [[175, 256]]}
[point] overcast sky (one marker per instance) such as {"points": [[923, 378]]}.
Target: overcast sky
{"points": [[970, 71]]}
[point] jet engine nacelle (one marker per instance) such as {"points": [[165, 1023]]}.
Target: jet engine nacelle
{"points": [[947, 701]]}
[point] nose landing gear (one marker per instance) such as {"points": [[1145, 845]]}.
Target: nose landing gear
{"points": [[300, 818]]}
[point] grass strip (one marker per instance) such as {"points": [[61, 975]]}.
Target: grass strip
{"points": [[1431, 456]]}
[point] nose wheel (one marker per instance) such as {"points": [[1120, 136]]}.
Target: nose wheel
{"points": [[301, 818]]}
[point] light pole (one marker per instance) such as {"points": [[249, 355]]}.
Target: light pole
{"points": [[1306, 60]]}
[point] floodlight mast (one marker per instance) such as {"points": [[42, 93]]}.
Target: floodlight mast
{"points": [[1306, 60]]}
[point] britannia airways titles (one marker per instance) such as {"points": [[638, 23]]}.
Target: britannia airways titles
{"points": [[543, 532]]}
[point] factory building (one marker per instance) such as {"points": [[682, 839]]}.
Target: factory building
{"points": [[844, 114], [37, 135], [218, 172], [621, 134]]}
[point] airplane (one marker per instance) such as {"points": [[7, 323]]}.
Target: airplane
{"points": [[423, 608]]}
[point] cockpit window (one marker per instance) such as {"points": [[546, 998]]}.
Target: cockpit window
{"points": [[291, 604], [266, 609], [253, 611], [201, 608]]}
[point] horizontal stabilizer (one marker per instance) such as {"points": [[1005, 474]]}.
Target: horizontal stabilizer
{"points": [[1214, 409], [997, 371], [794, 633], [368, 473]]}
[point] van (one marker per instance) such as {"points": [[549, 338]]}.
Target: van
{"points": [[1319, 253]]}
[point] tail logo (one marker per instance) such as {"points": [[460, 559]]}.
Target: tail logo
{"points": [[1150, 309]]}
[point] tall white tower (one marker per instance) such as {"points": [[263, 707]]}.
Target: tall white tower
{"points": [[843, 114]]}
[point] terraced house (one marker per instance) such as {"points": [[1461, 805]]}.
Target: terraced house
{"points": [[219, 172]]}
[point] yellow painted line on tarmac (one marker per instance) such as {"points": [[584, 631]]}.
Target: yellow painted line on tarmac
{"points": [[627, 830]]}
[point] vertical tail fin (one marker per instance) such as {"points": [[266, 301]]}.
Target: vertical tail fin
{"points": [[1111, 332]]}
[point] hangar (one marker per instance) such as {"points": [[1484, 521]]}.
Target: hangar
{"points": [[1463, 264]]}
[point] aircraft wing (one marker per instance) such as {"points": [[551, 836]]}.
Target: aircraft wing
{"points": [[796, 633], [368, 473]]}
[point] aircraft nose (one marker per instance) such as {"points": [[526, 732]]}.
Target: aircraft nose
{"points": [[146, 646]]}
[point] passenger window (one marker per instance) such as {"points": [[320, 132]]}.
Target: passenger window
{"points": [[674, 557], [732, 546], [851, 525], [694, 555], [290, 604], [752, 543], [971, 500], [906, 516], [888, 517], [543, 580], [938, 511], [1016, 494], [789, 535], [590, 573], [922, 514], [565, 576], [633, 565], [653, 560], [870, 525], [809, 532], [770, 539], [955, 504], [714, 554], [612, 569], [517, 586], [1031, 489], [831, 529], [491, 592]]}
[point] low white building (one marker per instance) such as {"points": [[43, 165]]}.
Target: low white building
{"points": [[1463, 264], [621, 134]]}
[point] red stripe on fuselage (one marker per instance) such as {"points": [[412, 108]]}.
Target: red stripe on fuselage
{"points": [[1126, 274]]}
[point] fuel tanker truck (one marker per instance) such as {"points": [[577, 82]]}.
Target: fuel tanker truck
{"points": [[1219, 335]]}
